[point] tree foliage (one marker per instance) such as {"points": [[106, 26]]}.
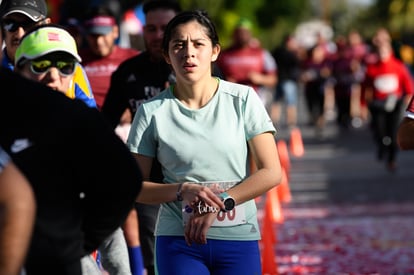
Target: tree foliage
{"points": [[272, 19]]}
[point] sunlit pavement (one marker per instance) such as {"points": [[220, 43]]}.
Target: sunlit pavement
{"points": [[348, 214], [347, 239]]}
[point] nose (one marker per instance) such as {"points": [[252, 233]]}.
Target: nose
{"points": [[52, 77], [159, 33], [20, 31], [189, 51], [53, 72]]}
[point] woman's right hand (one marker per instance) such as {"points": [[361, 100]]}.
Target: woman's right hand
{"points": [[194, 193]]}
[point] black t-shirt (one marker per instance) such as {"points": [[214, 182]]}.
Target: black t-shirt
{"points": [[136, 80], [84, 178]]}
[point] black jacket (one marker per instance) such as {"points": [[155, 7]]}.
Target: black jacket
{"points": [[84, 178]]}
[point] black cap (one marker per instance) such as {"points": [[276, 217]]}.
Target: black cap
{"points": [[36, 10]]}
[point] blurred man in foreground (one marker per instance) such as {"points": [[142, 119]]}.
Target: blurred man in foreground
{"points": [[45, 145]]}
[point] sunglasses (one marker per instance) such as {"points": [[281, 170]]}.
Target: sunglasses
{"points": [[65, 68], [12, 26]]}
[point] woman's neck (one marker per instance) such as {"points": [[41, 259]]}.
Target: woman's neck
{"points": [[196, 95]]}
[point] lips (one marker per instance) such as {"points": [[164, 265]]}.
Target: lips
{"points": [[189, 66]]}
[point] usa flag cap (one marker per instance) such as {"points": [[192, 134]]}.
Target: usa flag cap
{"points": [[45, 40]]}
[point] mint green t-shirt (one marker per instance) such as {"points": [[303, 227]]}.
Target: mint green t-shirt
{"points": [[207, 144]]}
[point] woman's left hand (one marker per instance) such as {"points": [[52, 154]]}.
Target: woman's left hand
{"points": [[197, 226]]}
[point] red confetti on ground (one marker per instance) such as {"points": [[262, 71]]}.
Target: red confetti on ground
{"points": [[347, 240]]}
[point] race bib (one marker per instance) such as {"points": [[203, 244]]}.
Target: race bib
{"points": [[234, 217]]}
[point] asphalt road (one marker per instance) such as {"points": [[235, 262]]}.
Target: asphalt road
{"points": [[348, 214], [342, 166]]}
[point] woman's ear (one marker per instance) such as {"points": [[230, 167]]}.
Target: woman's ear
{"points": [[216, 52]]}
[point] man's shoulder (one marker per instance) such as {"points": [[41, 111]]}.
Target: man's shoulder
{"points": [[136, 59], [398, 62], [136, 64], [131, 51], [125, 52], [6, 62]]}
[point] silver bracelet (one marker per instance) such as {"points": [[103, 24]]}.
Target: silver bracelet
{"points": [[178, 193]]}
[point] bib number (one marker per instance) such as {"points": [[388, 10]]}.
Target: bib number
{"points": [[234, 217]]}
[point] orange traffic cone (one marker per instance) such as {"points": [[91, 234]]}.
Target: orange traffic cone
{"points": [[269, 266], [283, 189], [268, 241], [283, 155], [296, 143], [273, 206], [268, 221]]}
